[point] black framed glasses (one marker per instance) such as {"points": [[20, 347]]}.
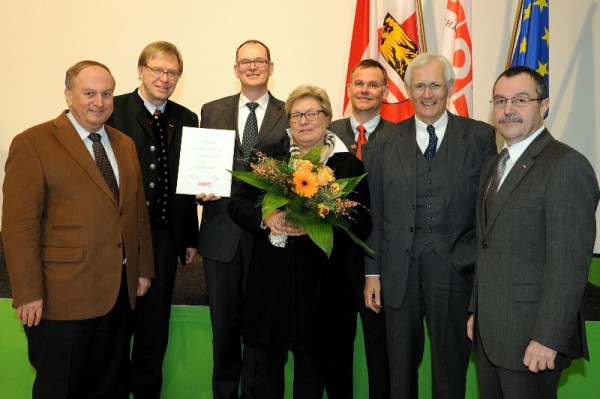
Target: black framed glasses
{"points": [[159, 72], [311, 115], [258, 62], [518, 101]]}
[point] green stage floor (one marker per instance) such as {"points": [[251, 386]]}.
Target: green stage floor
{"points": [[188, 364]]}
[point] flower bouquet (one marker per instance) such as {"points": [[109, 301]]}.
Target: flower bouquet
{"points": [[310, 194]]}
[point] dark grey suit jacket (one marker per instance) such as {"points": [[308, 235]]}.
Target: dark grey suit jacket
{"points": [[534, 254], [392, 181], [219, 236]]}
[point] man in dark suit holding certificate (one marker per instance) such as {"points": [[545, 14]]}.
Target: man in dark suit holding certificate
{"points": [[259, 120]]}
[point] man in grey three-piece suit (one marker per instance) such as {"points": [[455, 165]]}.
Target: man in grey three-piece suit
{"points": [[367, 90], [535, 239], [424, 181], [224, 246]]}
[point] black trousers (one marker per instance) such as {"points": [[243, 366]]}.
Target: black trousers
{"points": [[500, 383], [339, 355], [263, 372], [225, 286], [436, 292], [78, 359], [141, 364]]}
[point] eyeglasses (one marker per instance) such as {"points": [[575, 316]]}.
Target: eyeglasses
{"points": [[158, 72], [519, 102], [435, 87], [259, 63], [310, 116], [370, 85]]}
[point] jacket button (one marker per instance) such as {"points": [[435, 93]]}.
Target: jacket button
{"points": [[147, 203], [411, 229], [152, 166], [407, 252], [151, 185], [484, 245], [152, 148]]}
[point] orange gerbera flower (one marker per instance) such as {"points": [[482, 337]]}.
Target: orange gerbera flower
{"points": [[305, 183]]}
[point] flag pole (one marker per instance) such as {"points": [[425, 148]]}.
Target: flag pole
{"points": [[514, 34], [422, 41]]}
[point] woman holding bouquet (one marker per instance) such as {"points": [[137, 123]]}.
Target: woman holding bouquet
{"points": [[294, 291]]}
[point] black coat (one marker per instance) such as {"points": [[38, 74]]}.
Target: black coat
{"points": [[295, 294], [130, 117]]}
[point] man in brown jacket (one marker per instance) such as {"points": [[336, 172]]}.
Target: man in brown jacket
{"points": [[77, 239]]}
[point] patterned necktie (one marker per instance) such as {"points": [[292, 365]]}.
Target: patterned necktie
{"points": [[495, 180], [361, 140], [250, 130], [104, 164], [432, 146]]}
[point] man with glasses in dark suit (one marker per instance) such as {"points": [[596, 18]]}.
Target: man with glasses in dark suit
{"points": [[259, 120], [155, 124]]}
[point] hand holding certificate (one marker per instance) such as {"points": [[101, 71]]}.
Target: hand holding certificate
{"points": [[205, 158]]}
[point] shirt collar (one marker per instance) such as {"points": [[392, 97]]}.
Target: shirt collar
{"points": [[262, 102], [516, 150], [369, 125], [440, 124], [151, 107], [81, 131]]}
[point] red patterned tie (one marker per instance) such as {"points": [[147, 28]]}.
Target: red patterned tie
{"points": [[361, 140]]}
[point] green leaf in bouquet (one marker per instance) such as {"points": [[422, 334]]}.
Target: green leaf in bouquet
{"points": [[250, 178], [271, 202], [349, 183], [321, 234]]}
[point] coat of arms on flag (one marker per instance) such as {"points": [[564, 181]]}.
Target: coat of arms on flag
{"points": [[388, 33]]}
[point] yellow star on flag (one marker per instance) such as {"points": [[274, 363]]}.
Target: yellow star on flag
{"points": [[541, 4], [527, 12], [546, 37], [523, 46], [542, 69]]}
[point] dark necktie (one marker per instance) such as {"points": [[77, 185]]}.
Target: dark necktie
{"points": [[156, 113], [104, 164], [432, 146], [495, 180], [360, 140], [250, 130]]}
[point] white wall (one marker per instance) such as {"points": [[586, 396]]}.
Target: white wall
{"points": [[309, 42]]}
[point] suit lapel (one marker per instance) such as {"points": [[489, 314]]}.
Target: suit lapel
{"points": [[230, 116], [457, 150], [272, 115], [68, 137], [122, 160], [407, 154], [516, 174]]}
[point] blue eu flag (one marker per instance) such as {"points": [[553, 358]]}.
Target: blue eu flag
{"points": [[532, 47]]}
